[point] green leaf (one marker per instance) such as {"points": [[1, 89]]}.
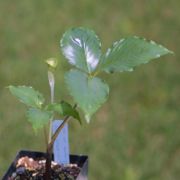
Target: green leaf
{"points": [[64, 109], [82, 48], [38, 118], [127, 53], [27, 95], [88, 92]]}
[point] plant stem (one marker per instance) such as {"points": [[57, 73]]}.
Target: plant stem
{"points": [[50, 145], [47, 174], [51, 84], [58, 130], [45, 136]]}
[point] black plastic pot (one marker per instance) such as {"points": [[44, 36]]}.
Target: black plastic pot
{"points": [[81, 161]]}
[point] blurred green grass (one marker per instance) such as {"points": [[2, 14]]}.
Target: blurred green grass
{"points": [[135, 136]]}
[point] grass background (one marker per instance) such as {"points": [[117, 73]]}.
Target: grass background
{"points": [[135, 136]]}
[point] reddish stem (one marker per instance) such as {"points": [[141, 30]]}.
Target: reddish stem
{"points": [[47, 174]]}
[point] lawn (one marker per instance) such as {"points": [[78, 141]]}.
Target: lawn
{"points": [[135, 136]]}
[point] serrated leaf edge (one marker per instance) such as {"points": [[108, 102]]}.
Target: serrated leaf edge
{"points": [[109, 50]]}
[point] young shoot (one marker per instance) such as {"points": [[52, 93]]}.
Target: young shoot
{"points": [[82, 49]]}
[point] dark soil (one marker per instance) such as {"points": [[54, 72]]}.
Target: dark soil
{"points": [[30, 169]]}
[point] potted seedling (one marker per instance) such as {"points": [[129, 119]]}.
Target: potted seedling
{"points": [[82, 49]]}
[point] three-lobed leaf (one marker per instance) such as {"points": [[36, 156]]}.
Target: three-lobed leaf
{"points": [[64, 109], [128, 53], [88, 92], [38, 118], [82, 48], [27, 95]]}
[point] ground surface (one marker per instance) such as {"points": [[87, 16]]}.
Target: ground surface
{"points": [[135, 136]]}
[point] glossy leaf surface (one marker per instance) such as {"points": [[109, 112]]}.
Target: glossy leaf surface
{"points": [[82, 48], [128, 53]]}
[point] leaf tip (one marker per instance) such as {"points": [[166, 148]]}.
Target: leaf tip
{"points": [[171, 52], [8, 87]]}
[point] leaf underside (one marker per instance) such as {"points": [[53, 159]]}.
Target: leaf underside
{"points": [[88, 92], [38, 118]]}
